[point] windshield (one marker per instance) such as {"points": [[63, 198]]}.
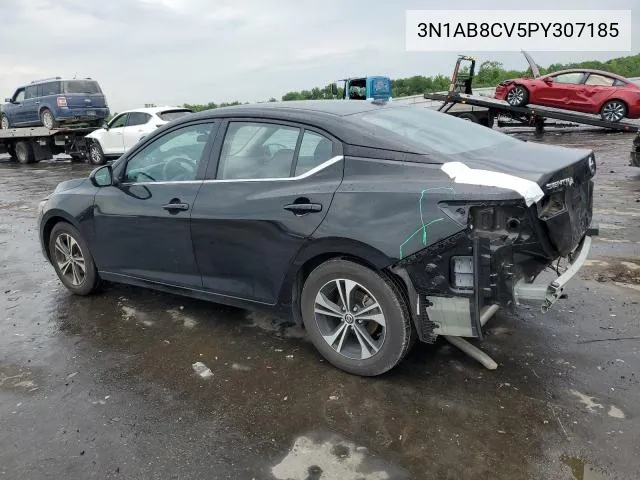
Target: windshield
{"points": [[81, 86], [433, 131], [169, 115]]}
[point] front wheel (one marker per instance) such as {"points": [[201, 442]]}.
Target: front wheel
{"points": [[72, 259], [356, 318], [518, 96], [613, 111], [4, 122], [96, 155]]}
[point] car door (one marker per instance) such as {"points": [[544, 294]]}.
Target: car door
{"points": [[142, 223], [137, 126], [16, 110], [597, 89], [270, 189], [31, 105], [562, 91], [113, 140]]}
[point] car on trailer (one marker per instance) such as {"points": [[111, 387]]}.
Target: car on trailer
{"points": [[611, 96], [372, 224], [55, 102], [125, 129]]}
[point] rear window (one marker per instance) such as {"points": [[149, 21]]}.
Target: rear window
{"points": [[427, 131], [81, 86], [169, 115]]}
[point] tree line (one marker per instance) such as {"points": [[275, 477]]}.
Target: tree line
{"points": [[488, 74]]}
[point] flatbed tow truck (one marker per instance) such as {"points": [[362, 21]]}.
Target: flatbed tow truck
{"points": [[460, 93], [32, 144]]}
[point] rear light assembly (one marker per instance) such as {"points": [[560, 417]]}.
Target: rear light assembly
{"points": [[62, 102]]}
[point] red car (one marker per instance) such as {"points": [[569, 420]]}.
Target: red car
{"points": [[590, 91]]}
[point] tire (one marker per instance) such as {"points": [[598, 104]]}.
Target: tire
{"points": [[470, 117], [613, 111], [384, 346], [47, 119], [518, 96], [96, 155], [24, 152], [4, 122], [65, 236]]}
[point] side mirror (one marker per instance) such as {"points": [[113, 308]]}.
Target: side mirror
{"points": [[102, 176], [548, 80], [334, 89], [8, 100], [105, 125]]}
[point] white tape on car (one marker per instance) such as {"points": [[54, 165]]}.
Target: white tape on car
{"points": [[460, 173]]}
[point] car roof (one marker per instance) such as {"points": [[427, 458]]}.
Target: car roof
{"points": [[153, 110], [590, 70], [336, 117]]}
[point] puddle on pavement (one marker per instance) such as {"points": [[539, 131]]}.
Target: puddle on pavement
{"points": [[324, 455], [580, 469]]}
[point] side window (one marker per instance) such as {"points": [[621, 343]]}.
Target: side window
{"points": [[174, 156], [314, 150], [595, 79], [137, 118], [19, 96], [31, 92], [574, 78], [50, 88], [619, 83], [119, 121], [257, 150]]}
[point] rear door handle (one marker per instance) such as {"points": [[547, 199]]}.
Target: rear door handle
{"points": [[303, 208], [176, 206]]}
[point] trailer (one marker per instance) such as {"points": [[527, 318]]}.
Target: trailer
{"points": [[32, 144]]}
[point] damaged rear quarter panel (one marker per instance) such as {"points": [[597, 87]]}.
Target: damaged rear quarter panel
{"points": [[394, 205]]}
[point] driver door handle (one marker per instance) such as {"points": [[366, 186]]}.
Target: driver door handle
{"points": [[176, 206]]}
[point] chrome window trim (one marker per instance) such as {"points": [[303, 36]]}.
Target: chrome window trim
{"points": [[307, 174]]}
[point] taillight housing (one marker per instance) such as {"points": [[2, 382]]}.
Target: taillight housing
{"points": [[62, 102]]}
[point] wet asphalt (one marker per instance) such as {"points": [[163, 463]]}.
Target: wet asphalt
{"points": [[103, 387]]}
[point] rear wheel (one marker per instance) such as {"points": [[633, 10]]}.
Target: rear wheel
{"points": [[4, 122], [24, 152], [613, 111], [518, 96], [356, 318], [72, 259], [96, 155], [47, 119], [11, 150]]}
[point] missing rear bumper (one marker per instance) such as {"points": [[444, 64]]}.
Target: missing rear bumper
{"points": [[546, 294]]}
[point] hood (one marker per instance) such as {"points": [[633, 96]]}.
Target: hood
{"points": [[534, 67], [70, 184], [537, 162], [96, 133]]}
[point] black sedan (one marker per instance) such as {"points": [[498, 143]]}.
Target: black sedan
{"points": [[374, 225]]}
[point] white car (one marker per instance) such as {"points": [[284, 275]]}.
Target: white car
{"points": [[127, 128]]}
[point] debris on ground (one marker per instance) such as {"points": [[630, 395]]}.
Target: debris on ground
{"points": [[202, 370]]}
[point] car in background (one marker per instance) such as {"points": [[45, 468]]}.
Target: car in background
{"points": [[582, 90], [372, 224], [54, 102], [125, 130]]}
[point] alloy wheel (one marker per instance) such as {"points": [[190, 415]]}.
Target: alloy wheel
{"points": [[350, 319], [69, 259], [516, 96], [96, 157], [5, 123], [613, 111]]}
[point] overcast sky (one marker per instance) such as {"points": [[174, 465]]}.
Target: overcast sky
{"points": [[196, 51]]}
